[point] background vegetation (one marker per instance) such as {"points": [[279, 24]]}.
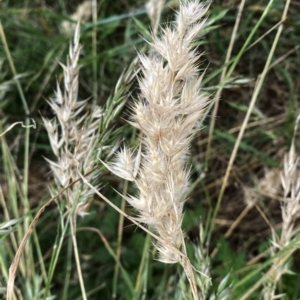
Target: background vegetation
{"points": [[231, 212]]}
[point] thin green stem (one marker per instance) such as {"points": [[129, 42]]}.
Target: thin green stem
{"points": [[40, 256], [146, 268], [9, 170], [27, 218], [111, 252], [119, 243], [141, 280], [56, 251], [76, 253], [13, 69], [27, 213], [94, 52], [68, 269]]}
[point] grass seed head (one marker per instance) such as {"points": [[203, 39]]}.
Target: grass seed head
{"points": [[167, 112]]}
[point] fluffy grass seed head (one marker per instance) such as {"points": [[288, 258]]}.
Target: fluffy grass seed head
{"points": [[72, 133], [167, 112]]}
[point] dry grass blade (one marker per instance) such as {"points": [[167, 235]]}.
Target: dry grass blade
{"points": [[17, 123]]}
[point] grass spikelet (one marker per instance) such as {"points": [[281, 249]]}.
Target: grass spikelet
{"points": [[154, 9]]}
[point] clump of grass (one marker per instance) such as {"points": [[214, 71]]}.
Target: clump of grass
{"points": [[169, 110], [159, 168], [72, 136], [75, 141]]}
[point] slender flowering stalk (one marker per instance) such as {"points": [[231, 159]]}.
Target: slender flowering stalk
{"points": [[72, 133], [168, 112], [72, 137], [290, 212]]}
